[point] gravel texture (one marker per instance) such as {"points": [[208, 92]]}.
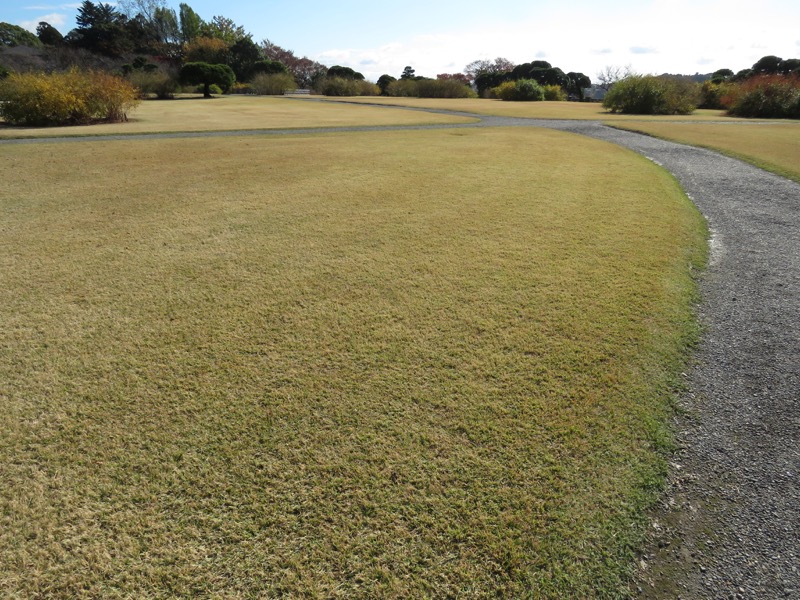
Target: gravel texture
{"points": [[729, 525]]}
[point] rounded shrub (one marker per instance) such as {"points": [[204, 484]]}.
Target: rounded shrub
{"points": [[651, 95]]}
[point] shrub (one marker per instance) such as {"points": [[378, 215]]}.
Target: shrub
{"points": [[650, 95], [157, 83], [767, 96], [444, 88], [521, 90], [406, 88], [554, 93], [75, 97], [4, 72], [339, 86], [272, 84], [713, 94]]}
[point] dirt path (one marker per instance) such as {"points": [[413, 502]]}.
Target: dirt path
{"points": [[730, 523]]}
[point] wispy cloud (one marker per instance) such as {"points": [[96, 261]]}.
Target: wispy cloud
{"points": [[643, 50], [55, 19]]}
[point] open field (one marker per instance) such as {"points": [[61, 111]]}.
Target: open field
{"points": [[773, 146], [386, 364], [193, 113], [533, 110]]}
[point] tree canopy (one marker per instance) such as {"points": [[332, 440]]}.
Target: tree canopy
{"points": [[13, 35]]}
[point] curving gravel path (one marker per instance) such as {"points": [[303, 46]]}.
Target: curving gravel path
{"points": [[730, 523]]}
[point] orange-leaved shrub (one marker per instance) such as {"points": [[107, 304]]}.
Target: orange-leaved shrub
{"points": [[71, 98], [765, 96]]}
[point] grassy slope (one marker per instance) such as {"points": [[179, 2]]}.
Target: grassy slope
{"points": [[772, 146], [388, 364]]}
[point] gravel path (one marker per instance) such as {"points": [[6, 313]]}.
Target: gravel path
{"points": [[729, 527]]}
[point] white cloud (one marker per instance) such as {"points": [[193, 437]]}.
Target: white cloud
{"points": [[57, 20]]}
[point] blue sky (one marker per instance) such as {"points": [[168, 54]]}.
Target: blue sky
{"points": [[676, 36]]}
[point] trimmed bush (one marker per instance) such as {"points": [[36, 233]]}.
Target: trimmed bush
{"points": [[72, 98], [521, 90], [651, 95], [272, 84], [766, 97]]}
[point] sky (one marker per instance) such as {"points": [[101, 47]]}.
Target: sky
{"points": [[373, 37]]}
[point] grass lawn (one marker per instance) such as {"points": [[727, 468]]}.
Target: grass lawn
{"points": [[774, 146], [363, 365], [193, 113], [533, 110]]}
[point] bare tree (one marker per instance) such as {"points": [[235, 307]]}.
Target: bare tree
{"points": [[479, 67], [611, 75]]}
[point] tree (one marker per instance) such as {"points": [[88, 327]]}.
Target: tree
{"points": [[13, 35], [460, 77], [577, 82], [100, 29], [269, 67], [189, 23], [408, 73], [790, 65], [199, 73], [479, 67], [305, 71], [146, 8], [243, 56], [49, 35], [344, 73], [611, 75], [767, 65], [208, 50], [721, 75], [223, 29], [384, 81]]}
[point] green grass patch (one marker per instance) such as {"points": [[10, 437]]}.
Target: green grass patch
{"points": [[404, 364], [773, 146]]}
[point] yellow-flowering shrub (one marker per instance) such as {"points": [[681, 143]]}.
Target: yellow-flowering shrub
{"points": [[71, 98]]}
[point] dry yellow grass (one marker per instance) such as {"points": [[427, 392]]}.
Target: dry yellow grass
{"points": [[533, 110], [238, 113], [403, 364], [774, 146]]}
